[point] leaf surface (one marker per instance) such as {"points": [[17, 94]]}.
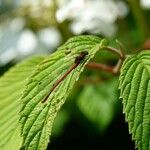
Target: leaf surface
{"points": [[11, 87], [37, 116], [135, 92]]}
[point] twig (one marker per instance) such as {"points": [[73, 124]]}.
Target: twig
{"points": [[116, 51], [110, 69], [100, 66]]}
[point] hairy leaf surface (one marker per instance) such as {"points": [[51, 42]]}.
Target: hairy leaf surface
{"points": [[11, 87], [135, 92], [37, 116]]}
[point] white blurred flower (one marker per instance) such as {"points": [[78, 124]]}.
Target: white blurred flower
{"points": [[8, 56], [50, 37], [17, 43], [17, 24], [27, 42], [145, 4], [95, 16], [70, 10], [122, 9], [9, 34], [97, 27]]}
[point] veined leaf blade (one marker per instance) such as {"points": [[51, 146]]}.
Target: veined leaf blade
{"points": [[11, 87], [135, 92], [36, 116]]}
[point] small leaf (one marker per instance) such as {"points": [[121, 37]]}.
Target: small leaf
{"points": [[11, 87], [135, 92], [37, 116], [97, 103]]}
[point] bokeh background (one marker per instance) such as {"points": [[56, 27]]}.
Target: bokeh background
{"points": [[92, 116]]}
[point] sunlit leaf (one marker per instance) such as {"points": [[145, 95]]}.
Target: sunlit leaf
{"points": [[11, 87], [38, 113]]}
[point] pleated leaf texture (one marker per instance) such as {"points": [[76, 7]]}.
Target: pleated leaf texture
{"points": [[135, 92], [11, 88], [40, 105]]}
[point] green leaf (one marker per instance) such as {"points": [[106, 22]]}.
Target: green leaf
{"points": [[135, 92], [11, 87], [37, 116], [97, 103]]}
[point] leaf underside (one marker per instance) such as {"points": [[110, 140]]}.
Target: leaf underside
{"points": [[11, 87], [135, 92], [36, 116]]}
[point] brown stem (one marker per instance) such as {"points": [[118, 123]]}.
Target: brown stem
{"points": [[111, 69], [121, 49], [116, 51], [115, 69], [101, 67]]}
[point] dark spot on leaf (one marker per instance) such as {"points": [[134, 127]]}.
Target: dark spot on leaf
{"points": [[68, 51]]}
